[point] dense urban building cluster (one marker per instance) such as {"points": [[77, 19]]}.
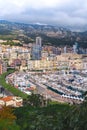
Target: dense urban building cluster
{"points": [[60, 73], [37, 57]]}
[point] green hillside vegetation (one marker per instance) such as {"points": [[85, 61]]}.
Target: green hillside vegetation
{"points": [[52, 117], [8, 37], [44, 118], [47, 117], [11, 43]]}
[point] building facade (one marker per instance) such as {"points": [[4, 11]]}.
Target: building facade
{"points": [[36, 49]]}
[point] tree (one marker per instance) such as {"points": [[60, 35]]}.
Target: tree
{"points": [[36, 100], [7, 119]]}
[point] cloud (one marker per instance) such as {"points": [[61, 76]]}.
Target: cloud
{"points": [[58, 12]]}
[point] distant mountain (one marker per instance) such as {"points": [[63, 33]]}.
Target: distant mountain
{"points": [[37, 26], [50, 33]]}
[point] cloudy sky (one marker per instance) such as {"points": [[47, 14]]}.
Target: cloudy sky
{"points": [[71, 13]]}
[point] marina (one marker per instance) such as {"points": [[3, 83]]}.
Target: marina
{"points": [[68, 86]]}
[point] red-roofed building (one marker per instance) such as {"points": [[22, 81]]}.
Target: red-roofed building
{"points": [[11, 101]]}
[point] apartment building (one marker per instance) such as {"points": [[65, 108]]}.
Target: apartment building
{"points": [[3, 67]]}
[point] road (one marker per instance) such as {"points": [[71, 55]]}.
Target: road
{"points": [[4, 92]]}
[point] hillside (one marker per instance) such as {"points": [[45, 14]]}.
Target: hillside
{"points": [[50, 34]]}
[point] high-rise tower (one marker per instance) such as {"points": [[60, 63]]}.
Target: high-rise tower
{"points": [[76, 48], [38, 41], [36, 49]]}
